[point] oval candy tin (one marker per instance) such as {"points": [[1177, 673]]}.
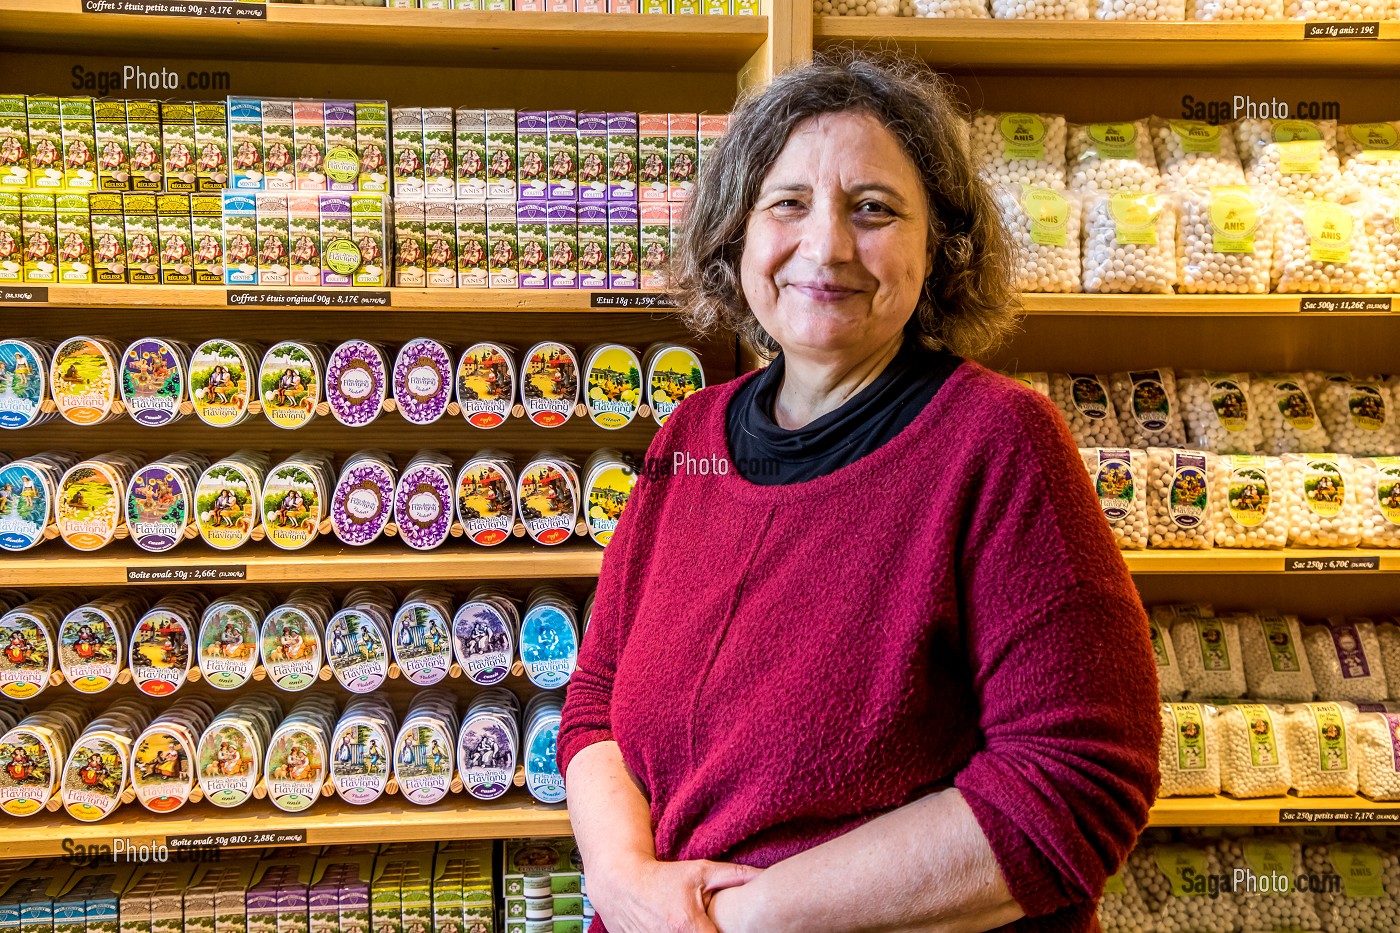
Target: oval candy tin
{"points": [[159, 507], [289, 381], [484, 642], [160, 651], [228, 763], [486, 501], [26, 502], [673, 374], [360, 758], [357, 649], [153, 381], [548, 646], [91, 503], [542, 777], [293, 500], [162, 767], [486, 385], [356, 378], [27, 633], [23, 383], [94, 777], [423, 503], [364, 499], [547, 495], [422, 641], [228, 644], [295, 767], [614, 386], [423, 760], [609, 484], [422, 380], [228, 503], [486, 756], [549, 386], [90, 649], [220, 380], [291, 648], [82, 378], [30, 769]]}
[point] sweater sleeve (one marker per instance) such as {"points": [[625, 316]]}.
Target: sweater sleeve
{"points": [[1062, 666], [587, 715]]}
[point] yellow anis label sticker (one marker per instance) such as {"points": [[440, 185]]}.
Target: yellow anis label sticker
{"points": [[1048, 211], [1330, 228], [1023, 136], [1234, 217], [1114, 140], [1135, 216]]}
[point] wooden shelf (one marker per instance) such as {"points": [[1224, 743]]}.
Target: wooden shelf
{"points": [[1033, 46], [329, 821], [1265, 811], [157, 297], [325, 561], [1214, 305], [1226, 560], [423, 37]]}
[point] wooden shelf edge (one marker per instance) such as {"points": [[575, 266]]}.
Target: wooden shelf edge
{"points": [[445, 300], [1044, 304], [355, 34], [325, 564], [1227, 560], [1265, 811], [328, 822]]}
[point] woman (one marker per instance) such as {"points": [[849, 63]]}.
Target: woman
{"points": [[898, 678]]}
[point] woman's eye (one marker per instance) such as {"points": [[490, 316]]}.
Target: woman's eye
{"points": [[873, 207]]}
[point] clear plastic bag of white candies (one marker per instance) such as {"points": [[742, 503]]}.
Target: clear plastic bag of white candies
{"points": [[1377, 737], [1178, 498], [1189, 755], [1222, 11], [1111, 156], [1276, 664], [1129, 243], [1388, 634], [1020, 148], [1358, 413], [1370, 154], [1141, 10], [1148, 409], [1298, 158], [1084, 401], [1288, 419], [1122, 908], [1380, 211], [1268, 895], [1321, 247], [1378, 497], [1249, 505], [951, 9], [1322, 507], [1368, 900], [1207, 647], [1344, 10], [1119, 477], [1160, 869], [1217, 412], [1040, 9], [862, 7], [1320, 748], [1036, 382], [1253, 760], [1193, 153], [1224, 240], [1044, 225], [1345, 657], [1169, 683]]}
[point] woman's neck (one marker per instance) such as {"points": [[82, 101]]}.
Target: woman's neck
{"points": [[815, 387]]}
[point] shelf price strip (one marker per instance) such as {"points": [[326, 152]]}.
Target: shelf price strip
{"points": [[1342, 30], [161, 573], [319, 298], [219, 840], [1323, 564], [24, 294], [1344, 304], [200, 9], [1338, 816]]}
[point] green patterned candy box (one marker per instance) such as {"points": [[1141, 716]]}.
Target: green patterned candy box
{"points": [[79, 143]]}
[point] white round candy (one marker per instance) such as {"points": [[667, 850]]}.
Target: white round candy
{"points": [[1356, 145], [1170, 684], [1207, 264], [1041, 266], [1188, 913], [1345, 656], [1380, 211], [1271, 153], [1122, 908], [1358, 413], [1217, 412], [1193, 153], [1378, 777], [1149, 412], [1040, 9], [1112, 265], [1225, 11], [951, 9], [1388, 634], [1276, 665]]}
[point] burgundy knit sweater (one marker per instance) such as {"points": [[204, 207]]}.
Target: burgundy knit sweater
{"points": [[780, 664]]}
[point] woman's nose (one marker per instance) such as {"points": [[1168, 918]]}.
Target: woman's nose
{"points": [[828, 238]]}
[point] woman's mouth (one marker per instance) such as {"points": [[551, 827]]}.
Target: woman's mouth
{"points": [[823, 291]]}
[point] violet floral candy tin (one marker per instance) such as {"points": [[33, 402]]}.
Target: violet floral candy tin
{"points": [[356, 381], [423, 380], [364, 498], [423, 503], [153, 377]]}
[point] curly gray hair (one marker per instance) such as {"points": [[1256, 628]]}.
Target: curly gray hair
{"points": [[968, 304]]}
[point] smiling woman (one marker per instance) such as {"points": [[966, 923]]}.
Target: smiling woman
{"points": [[964, 690]]}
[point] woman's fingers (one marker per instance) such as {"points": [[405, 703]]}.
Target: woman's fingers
{"points": [[716, 876]]}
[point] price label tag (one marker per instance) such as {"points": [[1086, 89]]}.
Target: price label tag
{"points": [[217, 840], [627, 300], [200, 9], [1347, 305], [1325, 564], [1339, 816], [1341, 30], [24, 294], [308, 298], [165, 573]]}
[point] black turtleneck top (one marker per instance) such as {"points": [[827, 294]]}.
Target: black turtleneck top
{"points": [[768, 455]]}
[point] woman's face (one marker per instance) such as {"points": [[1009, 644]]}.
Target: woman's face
{"points": [[836, 249]]}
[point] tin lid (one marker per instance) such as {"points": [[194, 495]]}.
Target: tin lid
{"points": [[153, 379], [608, 487], [31, 766], [614, 385], [422, 758], [24, 371], [28, 634], [294, 502], [291, 648], [220, 377], [486, 755], [229, 762], [290, 382], [483, 638], [91, 500], [363, 500], [228, 642], [356, 382], [94, 777], [295, 766], [359, 762], [163, 765], [423, 382], [547, 496], [422, 640], [357, 647], [485, 500], [83, 380], [549, 385], [160, 504], [673, 374], [228, 500], [423, 504], [548, 644], [159, 654], [485, 384], [27, 493]]}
